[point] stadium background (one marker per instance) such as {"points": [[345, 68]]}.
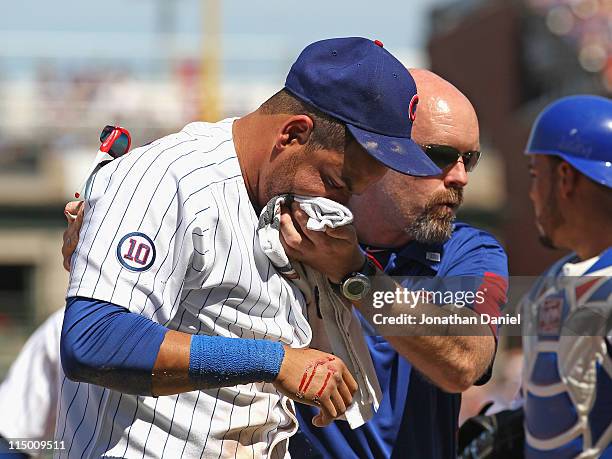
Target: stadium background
{"points": [[68, 68]]}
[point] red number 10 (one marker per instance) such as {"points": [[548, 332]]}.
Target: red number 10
{"points": [[142, 252]]}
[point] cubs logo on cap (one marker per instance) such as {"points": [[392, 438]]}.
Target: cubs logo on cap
{"points": [[413, 106]]}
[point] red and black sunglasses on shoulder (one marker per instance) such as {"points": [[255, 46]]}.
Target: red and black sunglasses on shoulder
{"points": [[116, 142]]}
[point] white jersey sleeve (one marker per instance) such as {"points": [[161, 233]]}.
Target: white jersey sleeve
{"points": [[138, 246], [29, 394]]}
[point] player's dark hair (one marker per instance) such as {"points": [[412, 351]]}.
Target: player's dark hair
{"points": [[328, 133]]}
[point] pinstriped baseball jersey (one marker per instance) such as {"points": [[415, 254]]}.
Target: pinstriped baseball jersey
{"points": [[170, 233]]}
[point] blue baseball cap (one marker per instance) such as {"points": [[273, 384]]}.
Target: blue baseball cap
{"points": [[360, 83], [579, 130]]}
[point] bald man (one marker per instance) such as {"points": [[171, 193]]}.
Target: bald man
{"points": [[407, 224]]}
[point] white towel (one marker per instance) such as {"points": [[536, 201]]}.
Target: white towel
{"points": [[342, 329], [324, 212], [269, 236]]}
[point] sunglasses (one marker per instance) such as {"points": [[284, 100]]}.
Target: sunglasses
{"points": [[444, 156], [115, 140]]}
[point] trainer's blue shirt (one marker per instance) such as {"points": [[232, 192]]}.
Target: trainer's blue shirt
{"points": [[415, 419]]}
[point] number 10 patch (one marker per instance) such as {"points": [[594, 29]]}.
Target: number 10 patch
{"points": [[136, 251]]}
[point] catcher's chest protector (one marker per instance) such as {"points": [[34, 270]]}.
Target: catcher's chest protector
{"points": [[568, 363]]}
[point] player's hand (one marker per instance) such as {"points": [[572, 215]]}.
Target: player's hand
{"points": [[319, 379], [74, 214], [334, 252]]}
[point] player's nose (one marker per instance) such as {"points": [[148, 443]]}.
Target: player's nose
{"points": [[456, 176]]}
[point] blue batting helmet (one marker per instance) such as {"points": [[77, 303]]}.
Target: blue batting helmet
{"points": [[579, 130]]}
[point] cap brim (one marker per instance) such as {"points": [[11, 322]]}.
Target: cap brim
{"points": [[598, 171], [401, 154]]}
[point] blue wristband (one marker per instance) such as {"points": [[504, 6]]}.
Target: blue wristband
{"points": [[222, 362]]}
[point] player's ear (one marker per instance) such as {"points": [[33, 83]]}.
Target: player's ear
{"points": [[296, 129], [568, 178]]}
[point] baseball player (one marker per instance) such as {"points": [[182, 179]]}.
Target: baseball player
{"points": [[28, 394], [168, 272], [406, 224], [567, 316]]}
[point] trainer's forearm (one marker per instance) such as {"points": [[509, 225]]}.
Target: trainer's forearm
{"points": [[453, 363], [106, 345], [453, 356]]}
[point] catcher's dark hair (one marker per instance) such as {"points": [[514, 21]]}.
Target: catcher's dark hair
{"points": [[328, 132]]}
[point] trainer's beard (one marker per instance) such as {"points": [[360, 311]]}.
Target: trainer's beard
{"points": [[434, 224]]}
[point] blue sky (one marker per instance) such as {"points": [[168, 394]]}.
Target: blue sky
{"points": [[116, 29], [398, 21]]}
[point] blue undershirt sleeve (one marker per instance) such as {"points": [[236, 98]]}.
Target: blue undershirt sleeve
{"points": [[108, 345]]}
